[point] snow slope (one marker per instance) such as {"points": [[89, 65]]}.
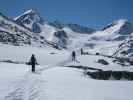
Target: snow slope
{"points": [[58, 83], [92, 61], [52, 81], [18, 83], [71, 84], [23, 54]]}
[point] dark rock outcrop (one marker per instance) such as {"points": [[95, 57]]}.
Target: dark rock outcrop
{"points": [[102, 61]]}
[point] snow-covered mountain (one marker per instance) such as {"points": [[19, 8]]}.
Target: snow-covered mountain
{"points": [[74, 27], [118, 30], [31, 29], [31, 20], [55, 32], [121, 31], [125, 48], [15, 34]]}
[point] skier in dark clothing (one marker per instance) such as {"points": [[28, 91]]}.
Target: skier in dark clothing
{"points": [[82, 52], [33, 62], [73, 56]]}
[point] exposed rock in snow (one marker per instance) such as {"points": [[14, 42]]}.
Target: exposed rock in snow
{"points": [[125, 49]]}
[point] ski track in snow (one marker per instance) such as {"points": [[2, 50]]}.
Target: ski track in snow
{"points": [[29, 87], [61, 83]]}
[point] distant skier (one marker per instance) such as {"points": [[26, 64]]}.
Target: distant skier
{"points": [[33, 62], [73, 56], [81, 50]]}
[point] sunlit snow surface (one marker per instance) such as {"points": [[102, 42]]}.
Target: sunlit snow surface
{"points": [[52, 81]]}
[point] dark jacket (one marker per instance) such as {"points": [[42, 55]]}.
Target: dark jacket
{"points": [[33, 60]]}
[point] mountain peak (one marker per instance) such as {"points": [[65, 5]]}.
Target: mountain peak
{"points": [[118, 23], [28, 12], [31, 20], [121, 21], [117, 30]]}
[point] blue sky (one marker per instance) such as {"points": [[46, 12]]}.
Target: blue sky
{"points": [[91, 13]]}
